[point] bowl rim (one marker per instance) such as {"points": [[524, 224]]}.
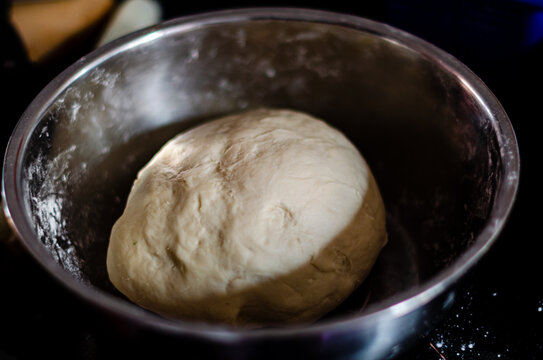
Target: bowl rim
{"points": [[395, 306]]}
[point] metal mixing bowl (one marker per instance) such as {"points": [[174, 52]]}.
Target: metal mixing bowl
{"points": [[440, 145]]}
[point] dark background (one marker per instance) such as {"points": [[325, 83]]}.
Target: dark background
{"points": [[499, 309]]}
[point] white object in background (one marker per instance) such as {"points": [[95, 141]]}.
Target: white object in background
{"points": [[130, 16]]}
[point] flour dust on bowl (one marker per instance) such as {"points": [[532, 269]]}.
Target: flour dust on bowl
{"points": [[438, 142]]}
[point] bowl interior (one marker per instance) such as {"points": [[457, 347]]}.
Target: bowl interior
{"points": [[427, 137]]}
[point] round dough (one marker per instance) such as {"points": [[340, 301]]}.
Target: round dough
{"points": [[264, 217]]}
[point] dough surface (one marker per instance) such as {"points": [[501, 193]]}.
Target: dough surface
{"points": [[263, 217]]}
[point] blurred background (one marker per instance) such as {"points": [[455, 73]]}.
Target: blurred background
{"points": [[499, 310]]}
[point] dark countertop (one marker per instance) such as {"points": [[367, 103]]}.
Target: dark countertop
{"points": [[498, 313]]}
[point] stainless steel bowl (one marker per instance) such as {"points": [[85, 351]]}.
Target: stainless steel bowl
{"points": [[442, 149]]}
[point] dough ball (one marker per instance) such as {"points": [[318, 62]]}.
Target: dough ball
{"points": [[264, 217]]}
